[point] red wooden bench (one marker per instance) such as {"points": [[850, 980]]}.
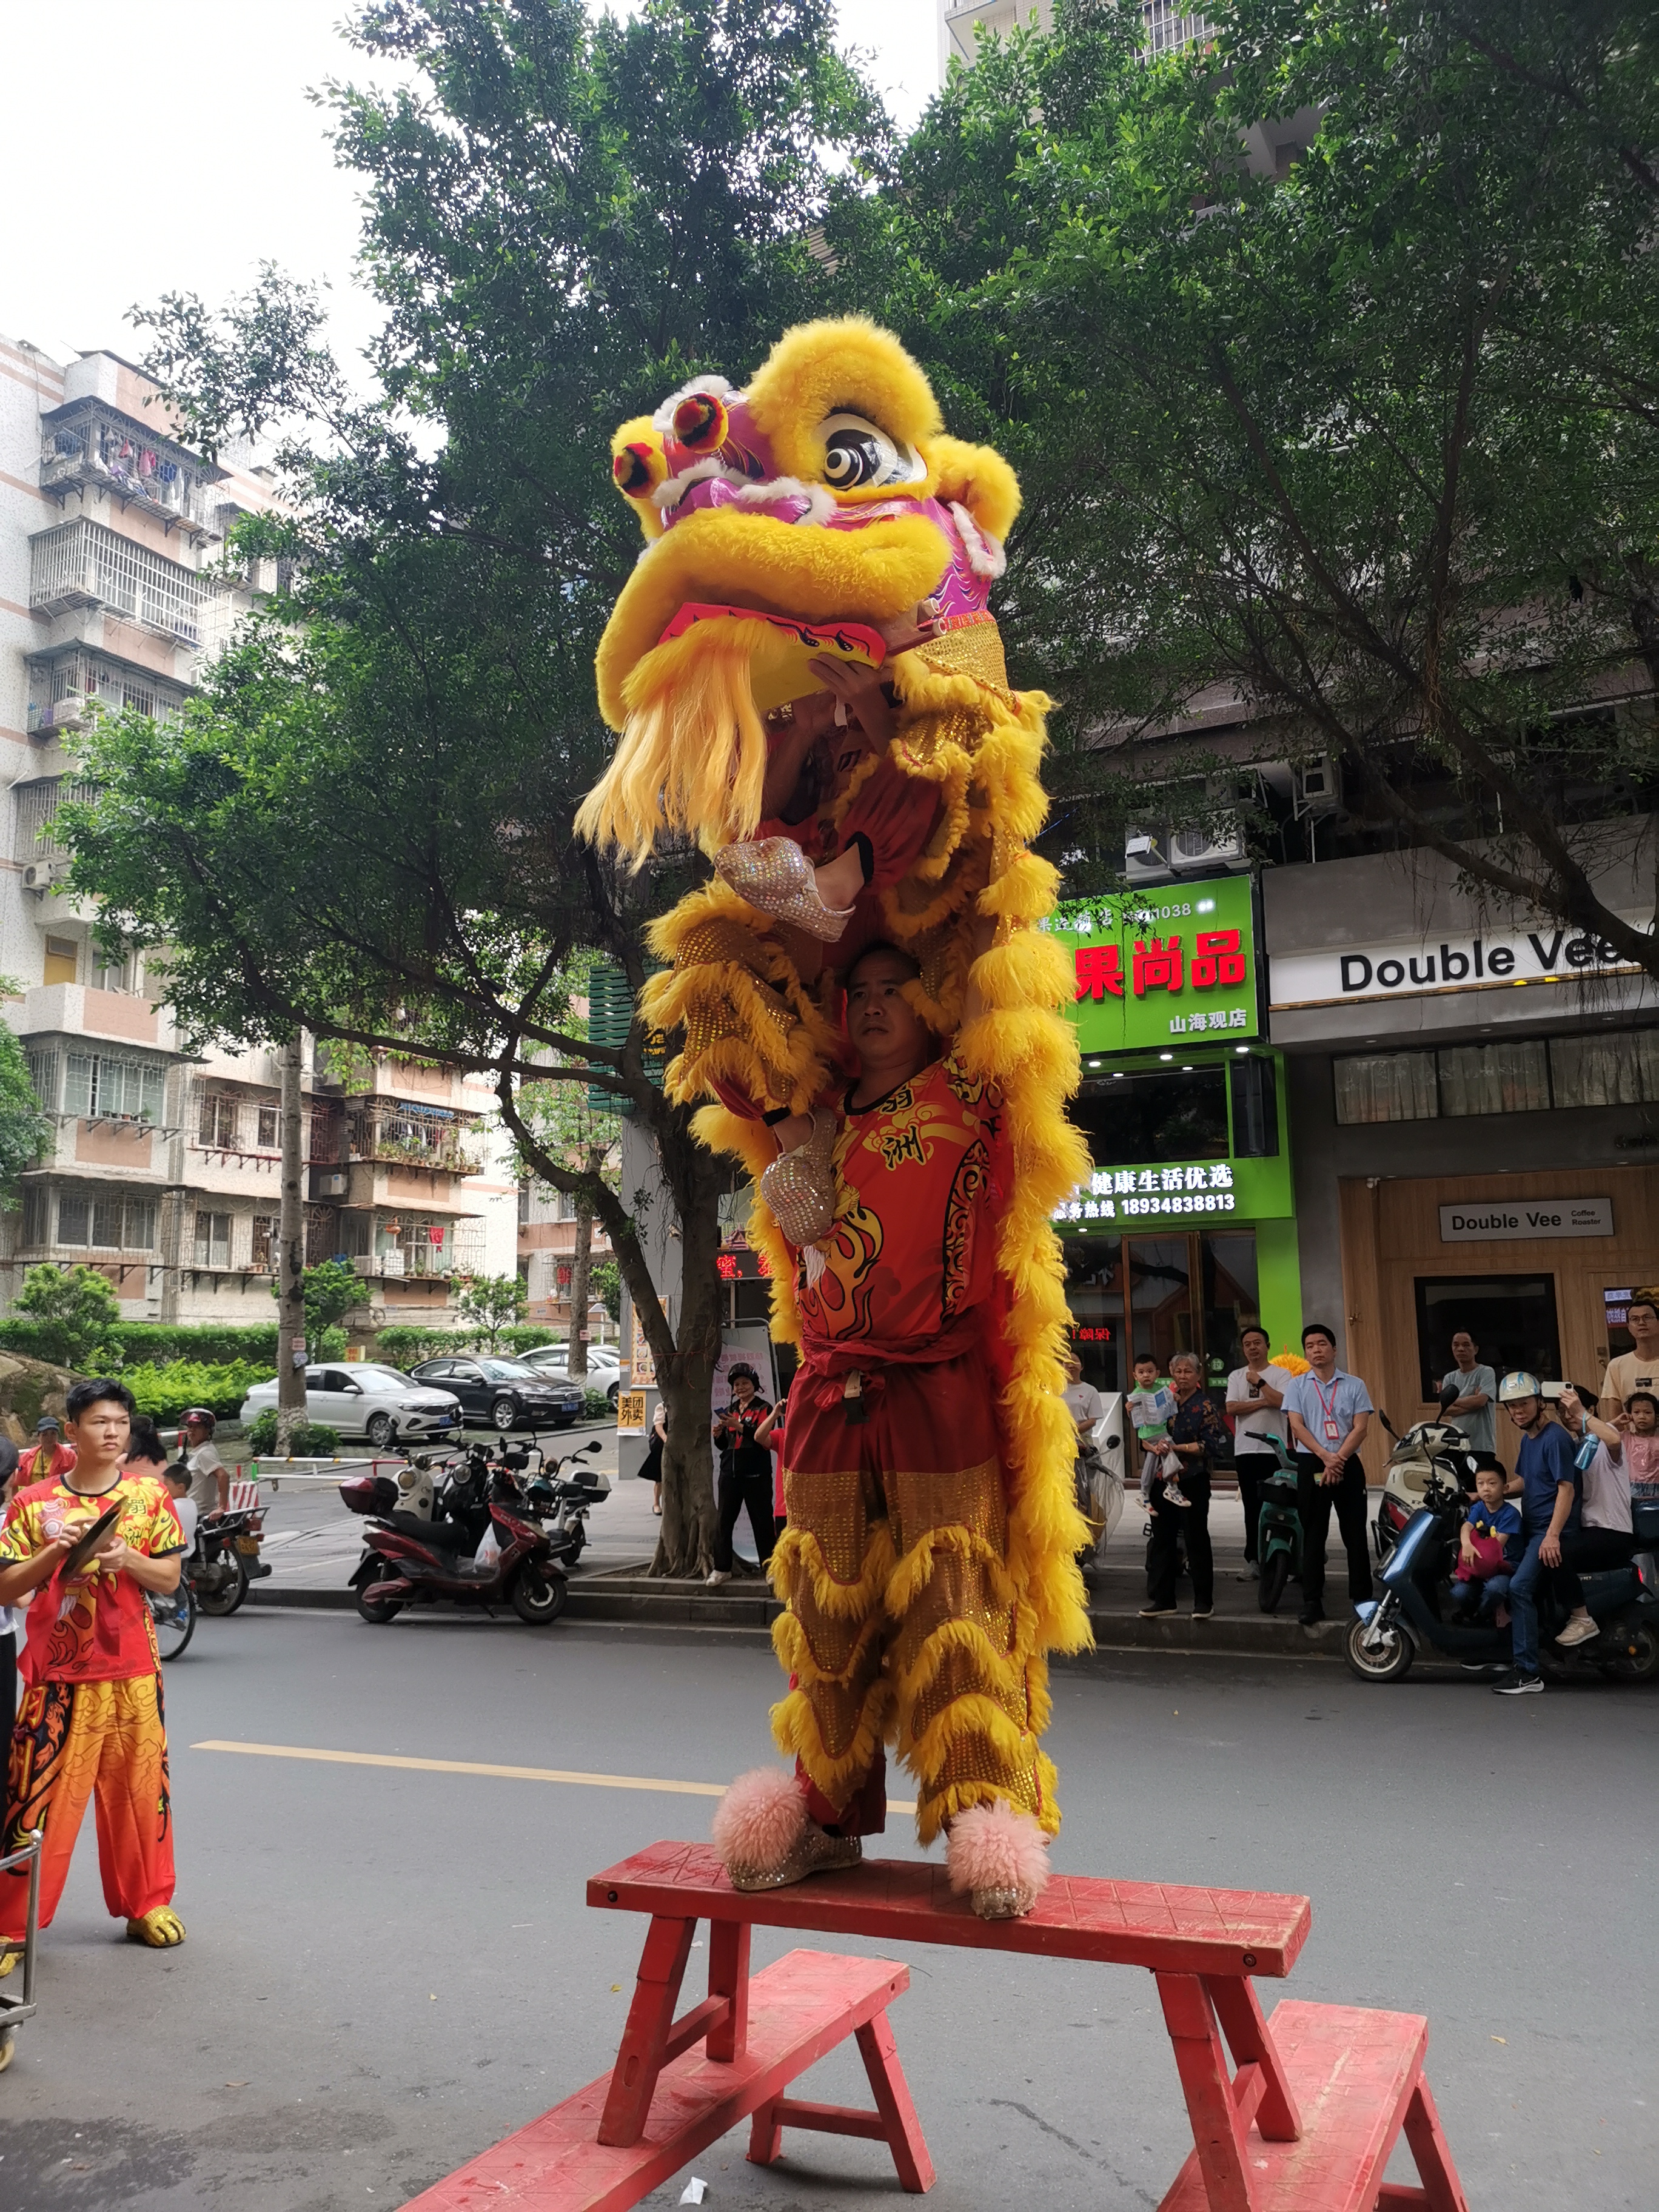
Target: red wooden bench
{"points": [[1304, 2120]]}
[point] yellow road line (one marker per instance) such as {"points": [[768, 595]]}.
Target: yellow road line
{"points": [[478, 1766]]}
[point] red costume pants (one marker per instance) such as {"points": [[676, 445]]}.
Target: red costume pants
{"points": [[104, 1740], [904, 1623]]}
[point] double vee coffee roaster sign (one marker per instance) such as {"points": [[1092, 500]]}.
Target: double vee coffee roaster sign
{"points": [[1547, 954], [1488, 1219]]}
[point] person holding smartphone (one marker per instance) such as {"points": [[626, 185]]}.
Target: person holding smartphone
{"points": [[745, 1483], [89, 1719]]}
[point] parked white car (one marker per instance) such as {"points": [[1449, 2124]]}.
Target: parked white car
{"points": [[604, 1365], [366, 1400]]}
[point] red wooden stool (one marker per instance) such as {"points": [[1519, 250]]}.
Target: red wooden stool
{"points": [[1305, 2121]]}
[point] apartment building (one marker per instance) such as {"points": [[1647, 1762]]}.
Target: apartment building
{"points": [[164, 1166], [1169, 26], [547, 1249]]}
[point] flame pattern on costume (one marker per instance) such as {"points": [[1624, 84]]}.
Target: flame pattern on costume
{"points": [[922, 1594]]}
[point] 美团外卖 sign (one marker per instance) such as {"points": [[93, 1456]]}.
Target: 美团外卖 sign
{"points": [[1176, 962], [1547, 954], [1487, 1219]]}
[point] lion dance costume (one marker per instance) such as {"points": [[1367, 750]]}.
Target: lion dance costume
{"points": [[928, 1563]]}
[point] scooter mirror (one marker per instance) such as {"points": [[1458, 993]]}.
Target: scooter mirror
{"points": [[1388, 1424], [595, 1446], [1449, 1396]]}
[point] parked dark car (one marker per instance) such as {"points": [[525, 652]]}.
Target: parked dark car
{"points": [[504, 1393]]}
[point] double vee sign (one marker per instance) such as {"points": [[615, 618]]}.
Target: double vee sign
{"points": [[1548, 954], [1487, 1218]]}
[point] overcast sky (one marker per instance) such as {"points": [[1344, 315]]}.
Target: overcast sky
{"points": [[172, 147]]}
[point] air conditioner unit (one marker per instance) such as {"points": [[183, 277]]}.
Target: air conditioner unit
{"points": [[1145, 857], [44, 875], [365, 1263], [1206, 847], [331, 1186], [1319, 786], [391, 1263]]}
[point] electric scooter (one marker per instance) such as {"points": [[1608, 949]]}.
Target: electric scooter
{"points": [[1412, 1615], [408, 1560], [1279, 1531]]}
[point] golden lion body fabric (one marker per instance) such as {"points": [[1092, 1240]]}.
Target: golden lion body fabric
{"points": [[827, 492]]}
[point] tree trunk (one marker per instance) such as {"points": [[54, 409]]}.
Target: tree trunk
{"points": [[291, 1239], [580, 1262]]}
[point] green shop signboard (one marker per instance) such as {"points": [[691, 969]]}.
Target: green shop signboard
{"points": [[1177, 961], [1197, 1194]]}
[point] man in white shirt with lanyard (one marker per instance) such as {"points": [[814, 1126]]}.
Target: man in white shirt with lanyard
{"points": [[1255, 1392], [1329, 1413]]}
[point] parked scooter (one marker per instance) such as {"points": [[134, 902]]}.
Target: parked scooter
{"points": [[1279, 1531], [1430, 1451], [560, 1495], [1413, 1613], [217, 1567], [410, 1559]]}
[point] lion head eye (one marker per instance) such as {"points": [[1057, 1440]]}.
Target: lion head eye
{"points": [[856, 454]]}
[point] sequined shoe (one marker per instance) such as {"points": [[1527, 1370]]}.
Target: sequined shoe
{"points": [[766, 1838], [799, 1186], [998, 1857], [774, 874]]}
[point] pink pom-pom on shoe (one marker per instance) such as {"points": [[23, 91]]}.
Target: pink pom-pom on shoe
{"points": [[759, 1820], [998, 1857]]}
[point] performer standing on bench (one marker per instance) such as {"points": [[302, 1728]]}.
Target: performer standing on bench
{"points": [[902, 1619]]}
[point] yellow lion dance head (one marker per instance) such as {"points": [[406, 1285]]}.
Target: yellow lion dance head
{"points": [[779, 522]]}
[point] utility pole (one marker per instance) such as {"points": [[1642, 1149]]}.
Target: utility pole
{"points": [[291, 1237]]}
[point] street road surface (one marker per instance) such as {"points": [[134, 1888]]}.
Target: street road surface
{"points": [[389, 1968]]}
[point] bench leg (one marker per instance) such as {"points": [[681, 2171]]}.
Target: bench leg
{"points": [[905, 2137], [1218, 2126], [894, 2121], [645, 2039], [728, 1978], [1442, 2190], [1251, 2042]]}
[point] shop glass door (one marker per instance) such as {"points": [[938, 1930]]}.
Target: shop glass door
{"points": [[1510, 1317], [1160, 1295]]}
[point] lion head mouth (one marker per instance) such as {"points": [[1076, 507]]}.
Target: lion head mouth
{"points": [[824, 493]]}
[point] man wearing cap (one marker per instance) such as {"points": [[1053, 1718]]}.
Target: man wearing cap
{"points": [[48, 1456], [209, 1485], [1551, 1491]]}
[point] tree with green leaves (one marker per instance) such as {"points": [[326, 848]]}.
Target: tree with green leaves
{"points": [[489, 1306], [332, 1289], [79, 1311], [363, 825], [1358, 450], [25, 1130]]}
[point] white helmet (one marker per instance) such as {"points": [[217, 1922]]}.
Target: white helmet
{"points": [[1518, 1384]]}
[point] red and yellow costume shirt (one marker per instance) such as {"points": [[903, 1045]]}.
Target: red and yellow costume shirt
{"points": [[910, 1266], [90, 1626]]}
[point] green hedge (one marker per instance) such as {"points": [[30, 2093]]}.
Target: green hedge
{"points": [[407, 1346], [163, 1392], [152, 1344], [319, 1441]]}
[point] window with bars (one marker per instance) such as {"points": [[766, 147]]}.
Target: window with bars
{"points": [[1522, 1075], [270, 1129], [37, 1216], [100, 1085], [43, 1076], [212, 1240], [262, 1246], [37, 804], [107, 1222], [1170, 26], [81, 562], [219, 1122], [63, 690]]}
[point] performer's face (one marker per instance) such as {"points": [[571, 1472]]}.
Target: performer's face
{"points": [[888, 1034]]}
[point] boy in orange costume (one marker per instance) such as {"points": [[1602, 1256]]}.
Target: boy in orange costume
{"points": [[89, 1722]]}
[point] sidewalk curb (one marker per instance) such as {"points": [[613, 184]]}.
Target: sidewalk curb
{"points": [[630, 1602]]}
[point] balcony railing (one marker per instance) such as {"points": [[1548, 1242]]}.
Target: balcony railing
{"points": [[432, 1249], [66, 689], [84, 564], [403, 1135], [89, 445]]}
